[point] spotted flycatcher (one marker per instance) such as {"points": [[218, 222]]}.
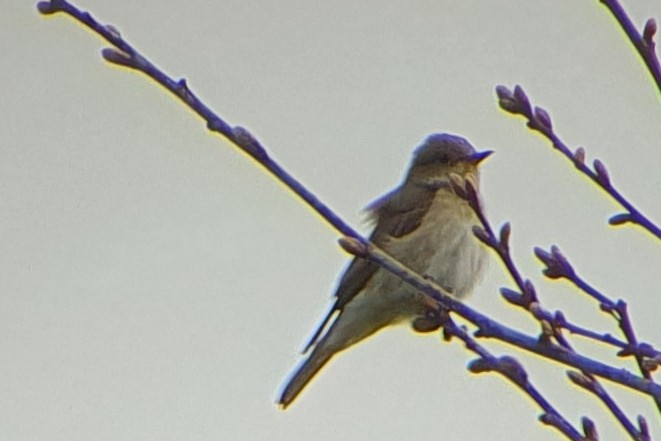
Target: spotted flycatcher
{"points": [[424, 225]]}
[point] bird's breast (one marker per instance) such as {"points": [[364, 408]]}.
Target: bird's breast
{"points": [[443, 247]]}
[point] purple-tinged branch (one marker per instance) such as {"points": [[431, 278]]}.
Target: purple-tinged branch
{"points": [[518, 103], [589, 429], [489, 328], [557, 266], [626, 350], [485, 233], [630, 335], [127, 56], [588, 383], [511, 369], [644, 43], [644, 428]]}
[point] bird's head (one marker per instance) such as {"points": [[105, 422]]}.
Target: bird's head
{"points": [[443, 154]]}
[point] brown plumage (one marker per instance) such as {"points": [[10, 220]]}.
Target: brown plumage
{"points": [[427, 227]]}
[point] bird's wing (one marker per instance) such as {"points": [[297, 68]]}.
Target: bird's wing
{"points": [[356, 276], [400, 212], [396, 214]]}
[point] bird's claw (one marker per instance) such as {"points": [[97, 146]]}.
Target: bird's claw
{"points": [[431, 321]]}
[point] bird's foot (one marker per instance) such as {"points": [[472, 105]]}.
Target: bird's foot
{"points": [[431, 321]]}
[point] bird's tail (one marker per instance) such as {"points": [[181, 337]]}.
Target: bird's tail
{"points": [[320, 355]]}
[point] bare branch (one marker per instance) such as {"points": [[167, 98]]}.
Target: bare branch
{"points": [[518, 103], [557, 266], [129, 57], [644, 43], [511, 369], [626, 350], [588, 383], [489, 328]]}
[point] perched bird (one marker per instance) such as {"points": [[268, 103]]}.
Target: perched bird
{"points": [[427, 227]]}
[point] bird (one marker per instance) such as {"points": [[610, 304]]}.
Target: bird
{"points": [[425, 225]]}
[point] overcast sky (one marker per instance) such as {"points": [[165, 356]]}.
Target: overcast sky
{"points": [[158, 285]]}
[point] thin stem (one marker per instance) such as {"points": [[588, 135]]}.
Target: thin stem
{"points": [[642, 350], [130, 57], [489, 328], [516, 102], [590, 384], [515, 373], [644, 47], [557, 265]]}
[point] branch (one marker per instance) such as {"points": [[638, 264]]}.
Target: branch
{"points": [[489, 328], [558, 267], [594, 387], [644, 43], [529, 301], [127, 56], [511, 369], [517, 103], [641, 349]]}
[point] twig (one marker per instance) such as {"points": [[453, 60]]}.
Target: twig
{"points": [[559, 267], [511, 369], [489, 328], [641, 349], [517, 103], [129, 57], [588, 383], [644, 43], [528, 299]]}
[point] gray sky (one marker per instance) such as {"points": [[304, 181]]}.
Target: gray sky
{"points": [[158, 285]]}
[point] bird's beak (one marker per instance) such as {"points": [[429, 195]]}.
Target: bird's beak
{"points": [[478, 157]]}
